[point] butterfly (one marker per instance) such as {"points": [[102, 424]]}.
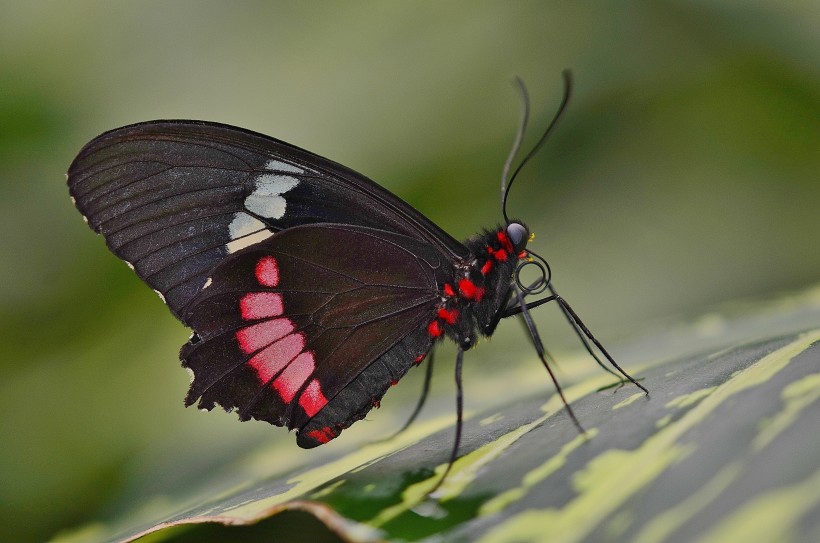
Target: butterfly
{"points": [[310, 289]]}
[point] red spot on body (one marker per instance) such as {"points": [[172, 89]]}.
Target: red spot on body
{"points": [[260, 305], [505, 241], [322, 436], [267, 271], [500, 254], [485, 269], [312, 400], [252, 338], [273, 358], [448, 290], [470, 290], [434, 329], [450, 316], [294, 376]]}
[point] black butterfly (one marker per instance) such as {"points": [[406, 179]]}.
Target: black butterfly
{"points": [[310, 288]]}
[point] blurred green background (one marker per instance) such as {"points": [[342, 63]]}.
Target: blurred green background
{"points": [[684, 175]]}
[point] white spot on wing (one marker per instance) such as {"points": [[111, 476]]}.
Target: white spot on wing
{"points": [[243, 225], [128, 264], [277, 166], [247, 241], [207, 284], [161, 297], [266, 200], [190, 371]]}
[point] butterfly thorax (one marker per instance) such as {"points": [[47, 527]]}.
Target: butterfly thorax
{"points": [[480, 285]]}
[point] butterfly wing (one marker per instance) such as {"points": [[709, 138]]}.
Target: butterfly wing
{"points": [[314, 322], [176, 198]]}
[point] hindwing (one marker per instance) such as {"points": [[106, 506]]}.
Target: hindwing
{"points": [[285, 326]]}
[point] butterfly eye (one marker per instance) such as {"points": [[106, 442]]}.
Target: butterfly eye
{"points": [[519, 235]]}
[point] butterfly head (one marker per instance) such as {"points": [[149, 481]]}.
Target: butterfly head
{"points": [[519, 235]]}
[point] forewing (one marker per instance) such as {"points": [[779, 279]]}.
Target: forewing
{"points": [[176, 198], [286, 325]]}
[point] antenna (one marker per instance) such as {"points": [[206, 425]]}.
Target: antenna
{"points": [[519, 136], [505, 184]]}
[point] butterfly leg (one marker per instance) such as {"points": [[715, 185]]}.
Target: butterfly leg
{"points": [[425, 389], [539, 348], [459, 420], [583, 339], [574, 316], [512, 308], [583, 333]]}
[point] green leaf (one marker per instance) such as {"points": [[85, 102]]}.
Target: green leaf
{"points": [[711, 454]]}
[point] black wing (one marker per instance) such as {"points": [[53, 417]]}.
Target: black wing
{"points": [[175, 198], [318, 318]]}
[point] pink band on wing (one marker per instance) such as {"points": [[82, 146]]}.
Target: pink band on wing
{"points": [[260, 305], [294, 376], [267, 271], [273, 358], [312, 400], [254, 337]]}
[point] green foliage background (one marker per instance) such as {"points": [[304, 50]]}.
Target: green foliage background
{"points": [[685, 174]]}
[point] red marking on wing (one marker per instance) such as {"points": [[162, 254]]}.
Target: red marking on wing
{"points": [[252, 338], [419, 358], [260, 305], [322, 436], [434, 329], [505, 241], [485, 269], [470, 290], [448, 290], [450, 316], [312, 400], [522, 255], [267, 271], [294, 376], [270, 360]]}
